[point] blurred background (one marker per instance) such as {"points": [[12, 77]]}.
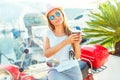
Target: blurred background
{"points": [[22, 24]]}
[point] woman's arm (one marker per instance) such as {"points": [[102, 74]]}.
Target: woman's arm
{"points": [[49, 51], [77, 50], [76, 47]]}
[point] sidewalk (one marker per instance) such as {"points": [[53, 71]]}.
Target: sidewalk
{"points": [[112, 71]]}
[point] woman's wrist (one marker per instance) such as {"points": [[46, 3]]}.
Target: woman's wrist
{"points": [[76, 44], [65, 42]]}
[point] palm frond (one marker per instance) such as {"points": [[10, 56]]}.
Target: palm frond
{"points": [[101, 40], [104, 24], [108, 15]]}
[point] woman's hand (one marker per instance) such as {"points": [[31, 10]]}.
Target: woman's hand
{"points": [[74, 39], [79, 39]]}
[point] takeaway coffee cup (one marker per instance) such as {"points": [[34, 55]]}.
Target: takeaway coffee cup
{"points": [[76, 30]]}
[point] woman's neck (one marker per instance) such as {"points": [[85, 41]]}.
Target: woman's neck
{"points": [[59, 31]]}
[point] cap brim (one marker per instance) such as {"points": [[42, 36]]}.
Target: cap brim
{"points": [[52, 10]]}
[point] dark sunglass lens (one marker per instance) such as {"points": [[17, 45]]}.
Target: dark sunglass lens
{"points": [[51, 17], [57, 14]]}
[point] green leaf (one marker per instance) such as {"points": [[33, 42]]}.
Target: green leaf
{"points": [[104, 24]]}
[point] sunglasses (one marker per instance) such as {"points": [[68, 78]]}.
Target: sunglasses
{"points": [[57, 13]]}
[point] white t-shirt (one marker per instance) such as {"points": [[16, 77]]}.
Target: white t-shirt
{"points": [[63, 54]]}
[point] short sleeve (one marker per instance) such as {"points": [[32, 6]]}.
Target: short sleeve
{"points": [[48, 33]]}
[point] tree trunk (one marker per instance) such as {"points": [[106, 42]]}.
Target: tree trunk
{"points": [[117, 48]]}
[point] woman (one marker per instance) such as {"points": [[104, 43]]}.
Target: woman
{"points": [[58, 44]]}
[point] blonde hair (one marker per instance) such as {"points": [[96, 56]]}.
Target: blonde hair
{"points": [[66, 27]]}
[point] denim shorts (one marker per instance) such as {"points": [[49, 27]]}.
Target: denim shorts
{"points": [[73, 73]]}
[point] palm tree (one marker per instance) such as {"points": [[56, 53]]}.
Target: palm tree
{"points": [[104, 26]]}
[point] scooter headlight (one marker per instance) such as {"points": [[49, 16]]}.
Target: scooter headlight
{"points": [[5, 75]]}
